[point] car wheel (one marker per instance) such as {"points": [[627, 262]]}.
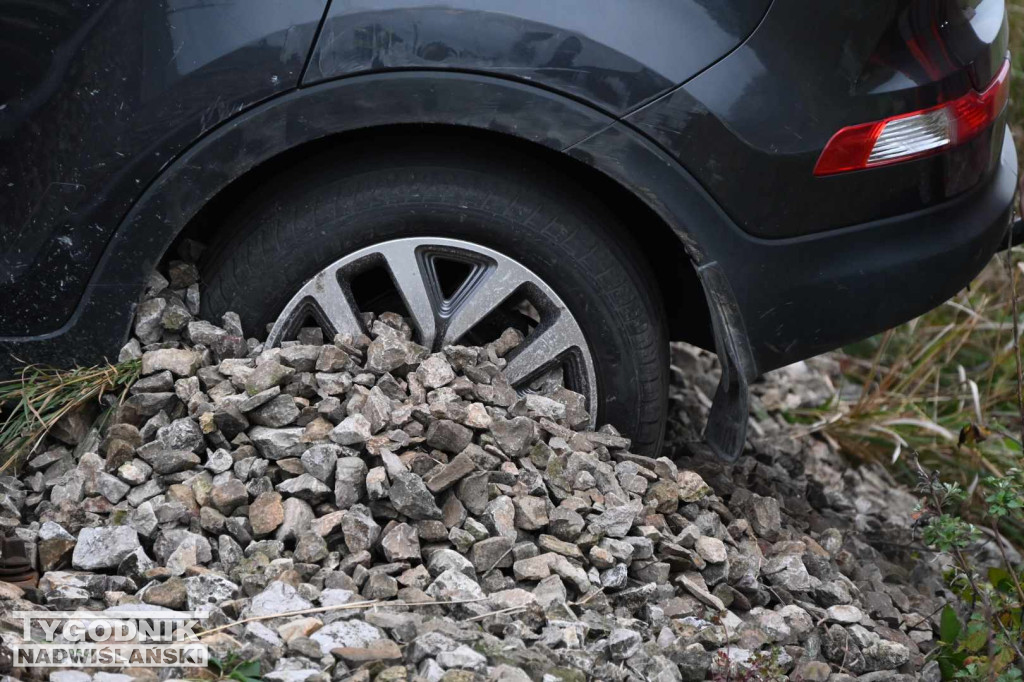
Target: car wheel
{"points": [[464, 247]]}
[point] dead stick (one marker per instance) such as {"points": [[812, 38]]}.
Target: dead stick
{"points": [[1016, 328], [339, 607], [509, 609]]}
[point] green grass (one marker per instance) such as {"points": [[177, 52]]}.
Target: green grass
{"points": [[944, 385]]}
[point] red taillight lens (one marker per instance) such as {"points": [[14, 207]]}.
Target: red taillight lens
{"points": [[917, 134]]}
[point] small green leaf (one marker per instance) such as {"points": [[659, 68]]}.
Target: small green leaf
{"points": [[248, 668], [997, 576], [949, 625], [976, 639], [1003, 658], [1011, 675]]}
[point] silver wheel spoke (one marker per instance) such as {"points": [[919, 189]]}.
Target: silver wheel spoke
{"points": [[494, 282], [542, 350], [334, 303], [411, 280], [486, 295]]}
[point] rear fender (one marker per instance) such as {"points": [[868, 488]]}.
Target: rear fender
{"points": [[100, 324]]}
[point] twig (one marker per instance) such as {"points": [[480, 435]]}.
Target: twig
{"points": [[339, 607], [496, 562], [875, 365], [509, 609], [1016, 328], [588, 597], [975, 590], [1006, 561], [925, 619]]}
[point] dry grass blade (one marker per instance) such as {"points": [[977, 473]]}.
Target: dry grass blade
{"points": [[341, 607], [943, 385], [924, 424], [32, 404], [1012, 274]]}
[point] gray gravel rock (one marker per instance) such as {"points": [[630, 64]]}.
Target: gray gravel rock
{"points": [[320, 461], [349, 481], [310, 548], [763, 514], [182, 363], [181, 434], [445, 476], [454, 585], [353, 430], [266, 375], [280, 411], [311, 476], [442, 560], [462, 657], [435, 371], [346, 633], [305, 487], [513, 436], [624, 644], [490, 553], [278, 597], [401, 543], [389, 352], [165, 461], [448, 436], [411, 497], [298, 517], [614, 522], [99, 548], [208, 589], [359, 529], [277, 444]]}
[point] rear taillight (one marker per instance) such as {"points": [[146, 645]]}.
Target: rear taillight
{"points": [[917, 134]]}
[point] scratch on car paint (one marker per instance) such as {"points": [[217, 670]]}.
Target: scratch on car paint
{"points": [[174, 55]]}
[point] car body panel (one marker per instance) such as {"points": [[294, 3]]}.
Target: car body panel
{"points": [[783, 300], [102, 97], [751, 127], [612, 54], [775, 300], [101, 323], [780, 285]]}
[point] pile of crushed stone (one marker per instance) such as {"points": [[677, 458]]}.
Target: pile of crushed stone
{"points": [[496, 536]]}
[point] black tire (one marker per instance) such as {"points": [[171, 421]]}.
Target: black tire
{"points": [[291, 229]]}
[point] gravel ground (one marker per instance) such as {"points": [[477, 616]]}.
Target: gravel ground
{"points": [[498, 538]]}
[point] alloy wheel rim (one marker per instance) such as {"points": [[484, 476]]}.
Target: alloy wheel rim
{"points": [[492, 281]]}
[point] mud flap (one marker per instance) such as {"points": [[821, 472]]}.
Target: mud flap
{"points": [[726, 430]]}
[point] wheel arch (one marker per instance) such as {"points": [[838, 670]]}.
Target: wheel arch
{"points": [[681, 289], [235, 155]]}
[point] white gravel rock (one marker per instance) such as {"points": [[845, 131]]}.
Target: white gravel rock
{"points": [[100, 548]]}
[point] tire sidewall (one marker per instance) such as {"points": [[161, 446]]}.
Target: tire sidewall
{"points": [[560, 241]]}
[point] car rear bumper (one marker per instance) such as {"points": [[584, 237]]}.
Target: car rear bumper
{"points": [[803, 296]]}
